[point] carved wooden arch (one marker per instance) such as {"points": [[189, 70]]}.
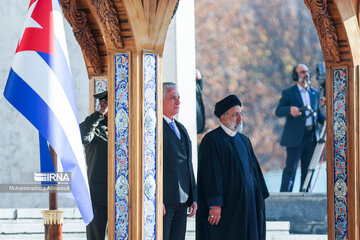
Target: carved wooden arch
{"points": [[98, 25], [337, 24], [101, 26]]}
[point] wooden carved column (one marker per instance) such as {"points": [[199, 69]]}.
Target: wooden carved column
{"points": [[137, 174], [122, 42], [337, 25]]}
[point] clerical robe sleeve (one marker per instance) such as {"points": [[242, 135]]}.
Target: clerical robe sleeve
{"points": [[210, 179]]}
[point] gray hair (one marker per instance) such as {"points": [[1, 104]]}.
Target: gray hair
{"points": [[166, 86]]}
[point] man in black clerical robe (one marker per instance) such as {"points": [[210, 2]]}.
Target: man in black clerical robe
{"points": [[231, 187]]}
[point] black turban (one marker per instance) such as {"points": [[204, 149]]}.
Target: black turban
{"points": [[102, 95], [222, 106]]}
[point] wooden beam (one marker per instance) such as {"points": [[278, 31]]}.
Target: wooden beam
{"points": [[350, 20], [329, 157], [111, 148], [152, 16], [135, 11], [159, 162], [136, 152], [161, 24], [147, 10]]}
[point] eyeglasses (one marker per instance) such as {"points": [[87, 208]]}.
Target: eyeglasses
{"points": [[304, 71], [103, 101]]}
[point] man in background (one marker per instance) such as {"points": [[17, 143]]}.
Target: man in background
{"points": [[301, 131]]}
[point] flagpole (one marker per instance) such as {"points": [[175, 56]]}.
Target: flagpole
{"points": [[53, 218], [53, 200]]}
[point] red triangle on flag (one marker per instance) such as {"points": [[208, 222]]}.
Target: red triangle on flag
{"points": [[40, 39]]}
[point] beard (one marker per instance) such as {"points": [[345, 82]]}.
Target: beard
{"points": [[234, 127], [306, 81]]}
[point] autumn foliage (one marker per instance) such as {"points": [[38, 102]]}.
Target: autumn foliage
{"points": [[248, 48]]}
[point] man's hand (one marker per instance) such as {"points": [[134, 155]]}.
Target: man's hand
{"points": [[294, 111], [164, 211], [197, 74], [214, 215], [192, 209]]}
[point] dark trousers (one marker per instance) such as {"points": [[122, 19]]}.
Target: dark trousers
{"points": [[304, 153], [175, 222], [96, 229]]}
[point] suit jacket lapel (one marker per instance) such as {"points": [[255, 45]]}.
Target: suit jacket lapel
{"points": [[173, 134], [297, 95], [170, 129], [312, 98], [184, 136]]}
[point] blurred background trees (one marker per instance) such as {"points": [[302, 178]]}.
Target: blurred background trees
{"points": [[248, 48]]}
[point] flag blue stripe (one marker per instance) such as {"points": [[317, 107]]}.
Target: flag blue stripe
{"points": [[46, 163], [59, 66], [26, 101]]}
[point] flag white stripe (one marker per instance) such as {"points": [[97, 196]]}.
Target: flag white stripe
{"points": [[47, 86], [59, 30]]}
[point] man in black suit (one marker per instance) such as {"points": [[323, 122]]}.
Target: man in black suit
{"points": [[178, 176], [301, 133], [94, 133]]}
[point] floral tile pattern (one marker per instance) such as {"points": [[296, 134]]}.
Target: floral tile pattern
{"points": [[100, 86], [339, 76], [122, 146], [150, 154]]}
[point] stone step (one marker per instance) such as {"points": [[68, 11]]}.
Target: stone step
{"points": [[76, 225], [76, 236], [7, 213], [277, 228], [35, 213], [299, 237], [282, 226], [36, 226], [27, 223]]}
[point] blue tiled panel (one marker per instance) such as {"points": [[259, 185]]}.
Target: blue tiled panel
{"points": [[122, 146], [339, 76], [150, 154]]}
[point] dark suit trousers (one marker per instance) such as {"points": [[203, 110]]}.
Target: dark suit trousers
{"points": [[294, 154], [96, 229], [175, 222]]}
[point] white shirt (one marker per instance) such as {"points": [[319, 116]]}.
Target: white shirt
{"points": [[305, 95], [168, 120], [228, 131]]}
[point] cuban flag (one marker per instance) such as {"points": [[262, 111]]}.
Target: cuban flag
{"points": [[40, 87]]}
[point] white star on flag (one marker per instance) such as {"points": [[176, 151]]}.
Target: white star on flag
{"points": [[30, 22]]}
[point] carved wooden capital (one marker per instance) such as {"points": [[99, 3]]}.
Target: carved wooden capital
{"points": [[325, 27], [109, 19], [77, 20]]}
